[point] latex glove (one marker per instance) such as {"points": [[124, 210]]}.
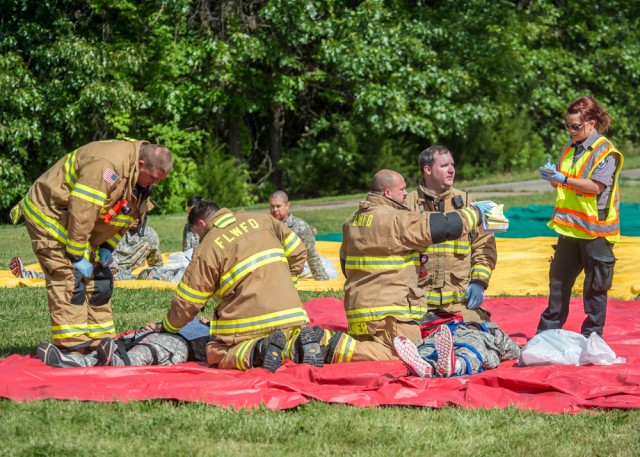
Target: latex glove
{"points": [[484, 207], [106, 257], [552, 176], [474, 295], [84, 266]]}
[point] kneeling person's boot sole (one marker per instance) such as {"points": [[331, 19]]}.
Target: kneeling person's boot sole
{"points": [[310, 351], [273, 357]]}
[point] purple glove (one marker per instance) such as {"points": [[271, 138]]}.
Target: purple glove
{"points": [[474, 295]]}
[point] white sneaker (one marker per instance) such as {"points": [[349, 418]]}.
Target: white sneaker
{"points": [[408, 353], [444, 347]]}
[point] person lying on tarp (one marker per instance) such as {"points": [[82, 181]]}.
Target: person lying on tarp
{"points": [[451, 347], [139, 244], [140, 348]]}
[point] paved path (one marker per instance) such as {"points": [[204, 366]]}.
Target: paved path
{"points": [[479, 192]]}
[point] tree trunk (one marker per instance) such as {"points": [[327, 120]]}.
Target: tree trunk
{"points": [[276, 125]]}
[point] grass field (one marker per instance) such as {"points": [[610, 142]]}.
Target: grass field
{"points": [[69, 428]]}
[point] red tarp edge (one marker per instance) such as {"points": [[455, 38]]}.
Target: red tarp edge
{"points": [[552, 389]]}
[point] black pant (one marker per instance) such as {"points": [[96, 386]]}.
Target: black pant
{"points": [[572, 256]]}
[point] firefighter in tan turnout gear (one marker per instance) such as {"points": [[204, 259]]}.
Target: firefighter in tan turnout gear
{"points": [[244, 264], [454, 274], [75, 214], [380, 257]]}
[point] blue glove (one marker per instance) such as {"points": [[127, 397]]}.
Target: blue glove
{"points": [[106, 258], [484, 207], [552, 176], [84, 266], [475, 295]]}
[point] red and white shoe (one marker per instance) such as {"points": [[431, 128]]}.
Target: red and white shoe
{"points": [[17, 268], [408, 353], [446, 364]]}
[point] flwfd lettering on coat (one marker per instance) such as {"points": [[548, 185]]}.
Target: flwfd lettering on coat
{"points": [[236, 231], [362, 220]]}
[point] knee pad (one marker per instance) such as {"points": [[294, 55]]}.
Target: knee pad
{"points": [[79, 289], [103, 286]]}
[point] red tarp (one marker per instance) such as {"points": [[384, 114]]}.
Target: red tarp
{"points": [[553, 389]]}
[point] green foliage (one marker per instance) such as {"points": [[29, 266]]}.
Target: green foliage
{"points": [[223, 179], [358, 86]]}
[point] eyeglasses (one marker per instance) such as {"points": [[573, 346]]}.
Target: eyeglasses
{"points": [[574, 127]]}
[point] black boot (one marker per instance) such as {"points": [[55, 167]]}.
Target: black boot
{"points": [[104, 351], [54, 357], [308, 346], [267, 352]]}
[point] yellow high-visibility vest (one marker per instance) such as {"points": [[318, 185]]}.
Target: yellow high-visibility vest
{"points": [[576, 213]]}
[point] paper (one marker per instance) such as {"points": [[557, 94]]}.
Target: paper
{"points": [[494, 220]]}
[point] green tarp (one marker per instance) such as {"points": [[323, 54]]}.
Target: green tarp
{"points": [[529, 221]]}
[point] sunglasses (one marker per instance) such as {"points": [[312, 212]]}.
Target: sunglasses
{"points": [[574, 127]]}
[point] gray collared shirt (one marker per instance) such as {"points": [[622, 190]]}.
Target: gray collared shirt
{"points": [[603, 172]]}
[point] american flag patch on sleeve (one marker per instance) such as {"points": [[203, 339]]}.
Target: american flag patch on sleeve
{"points": [[109, 176]]}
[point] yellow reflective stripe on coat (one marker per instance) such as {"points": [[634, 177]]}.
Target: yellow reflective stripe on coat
{"points": [[241, 351], [38, 218], [192, 295], [460, 247], [104, 328], [291, 242], [472, 216], [481, 271], [76, 249], [284, 318], [114, 240], [70, 174], [167, 325], [388, 262], [122, 220], [68, 331], [224, 220], [247, 266], [88, 194], [437, 297], [377, 313]]}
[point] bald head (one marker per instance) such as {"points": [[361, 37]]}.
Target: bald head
{"points": [[279, 205], [279, 195], [390, 184]]}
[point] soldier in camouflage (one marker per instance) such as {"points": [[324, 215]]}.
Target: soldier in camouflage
{"points": [[140, 348], [133, 249], [130, 253], [279, 208], [190, 239]]}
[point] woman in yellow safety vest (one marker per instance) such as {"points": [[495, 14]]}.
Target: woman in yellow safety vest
{"points": [[586, 216]]}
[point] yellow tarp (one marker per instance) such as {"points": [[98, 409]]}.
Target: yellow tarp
{"points": [[523, 269]]}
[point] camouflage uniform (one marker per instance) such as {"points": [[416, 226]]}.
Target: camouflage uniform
{"points": [[190, 238], [308, 236], [133, 250], [477, 350], [151, 348]]}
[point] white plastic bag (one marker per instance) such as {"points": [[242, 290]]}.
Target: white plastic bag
{"points": [[553, 347], [562, 347], [598, 352]]}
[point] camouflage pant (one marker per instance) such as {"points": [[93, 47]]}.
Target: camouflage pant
{"points": [[489, 348], [133, 250]]}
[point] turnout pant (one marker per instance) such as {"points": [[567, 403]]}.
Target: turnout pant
{"points": [[80, 308], [572, 256], [378, 344], [236, 352]]}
